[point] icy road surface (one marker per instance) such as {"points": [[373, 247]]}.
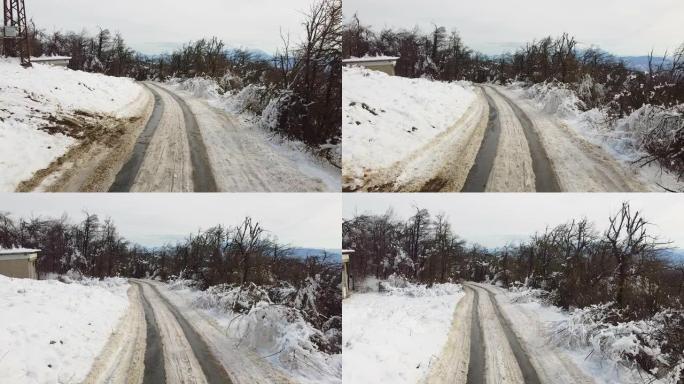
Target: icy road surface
{"points": [[522, 150], [181, 144], [500, 143], [488, 344], [162, 340]]}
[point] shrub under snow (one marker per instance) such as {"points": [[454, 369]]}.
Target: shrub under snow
{"points": [[266, 108], [649, 134], [655, 345], [400, 286], [280, 321]]}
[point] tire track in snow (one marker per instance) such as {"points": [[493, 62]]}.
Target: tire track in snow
{"points": [[126, 177], [551, 365], [545, 177], [154, 351], [476, 364], [214, 373], [483, 366], [202, 175], [484, 161], [528, 371]]}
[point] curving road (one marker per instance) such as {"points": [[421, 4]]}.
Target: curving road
{"points": [[180, 143], [490, 344], [503, 143], [170, 154], [194, 147]]}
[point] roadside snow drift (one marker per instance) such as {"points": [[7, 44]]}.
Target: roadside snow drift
{"points": [[547, 329], [245, 104], [623, 139], [386, 118], [393, 336], [34, 101], [51, 332], [278, 333]]}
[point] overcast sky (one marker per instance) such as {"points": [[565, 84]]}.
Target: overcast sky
{"points": [[623, 27], [303, 220], [152, 26], [494, 220]]}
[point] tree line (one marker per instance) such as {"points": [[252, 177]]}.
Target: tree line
{"points": [[598, 78], [619, 274], [240, 254], [576, 263], [302, 80]]}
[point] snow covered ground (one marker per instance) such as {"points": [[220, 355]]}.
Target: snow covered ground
{"points": [[394, 336], [35, 99], [52, 331], [274, 332], [536, 323], [238, 104], [386, 118], [622, 140]]}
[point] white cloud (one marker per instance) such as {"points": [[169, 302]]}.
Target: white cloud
{"points": [[623, 27], [299, 219], [496, 219], [155, 25]]}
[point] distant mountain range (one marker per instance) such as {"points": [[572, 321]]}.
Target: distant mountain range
{"points": [[674, 256], [302, 253], [640, 63]]}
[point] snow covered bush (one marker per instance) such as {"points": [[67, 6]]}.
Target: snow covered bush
{"points": [[660, 132], [253, 98], [645, 135], [203, 87], [521, 293], [280, 321], [306, 304], [400, 286], [655, 344], [555, 98]]}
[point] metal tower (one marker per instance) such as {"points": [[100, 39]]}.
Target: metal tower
{"points": [[16, 31]]}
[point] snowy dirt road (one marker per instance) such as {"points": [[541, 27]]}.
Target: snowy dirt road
{"points": [[506, 145], [160, 340], [155, 344], [492, 343], [195, 147], [170, 155], [179, 143]]}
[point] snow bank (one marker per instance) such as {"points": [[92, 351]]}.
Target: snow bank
{"points": [[279, 333], [51, 331], [35, 98], [623, 138], [386, 118], [624, 343], [392, 336], [600, 347]]}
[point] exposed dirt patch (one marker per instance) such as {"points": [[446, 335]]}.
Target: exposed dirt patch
{"points": [[435, 185], [104, 142], [88, 127]]}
